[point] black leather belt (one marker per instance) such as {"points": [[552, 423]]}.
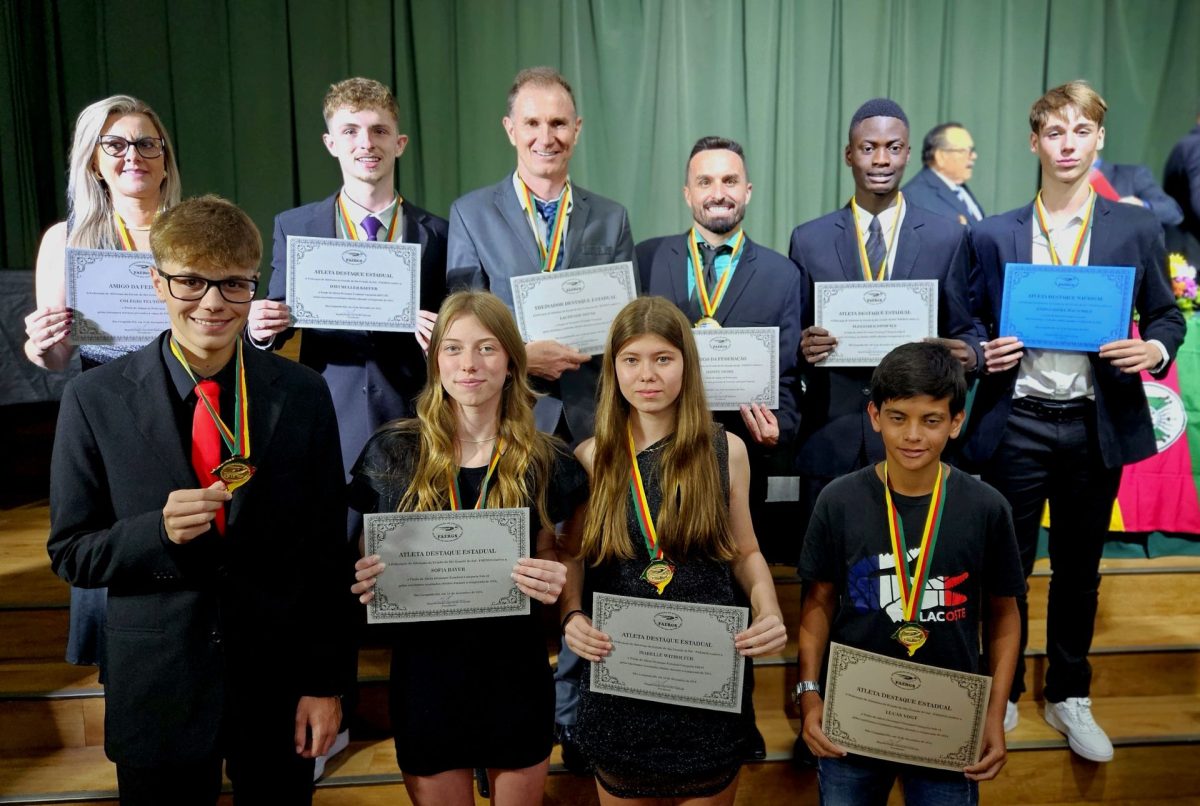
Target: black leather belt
{"points": [[1054, 410]]}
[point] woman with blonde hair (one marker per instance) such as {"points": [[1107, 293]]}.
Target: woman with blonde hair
{"points": [[658, 452], [122, 173], [473, 693]]}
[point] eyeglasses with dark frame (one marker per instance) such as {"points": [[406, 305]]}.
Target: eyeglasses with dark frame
{"points": [[189, 287], [115, 145]]}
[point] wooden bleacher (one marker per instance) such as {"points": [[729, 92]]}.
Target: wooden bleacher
{"points": [[1146, 689]]}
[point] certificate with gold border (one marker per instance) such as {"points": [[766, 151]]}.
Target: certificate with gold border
{"points": [[902, 711]]}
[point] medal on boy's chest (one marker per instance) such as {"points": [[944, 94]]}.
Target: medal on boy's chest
{"points": [[910, 634], [237, 469], [660, 571]]}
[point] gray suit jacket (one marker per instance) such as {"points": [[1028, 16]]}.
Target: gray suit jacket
{"points": [[490, 242]]}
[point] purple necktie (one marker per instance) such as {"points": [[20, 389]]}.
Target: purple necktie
{"points": [[372, 225]]}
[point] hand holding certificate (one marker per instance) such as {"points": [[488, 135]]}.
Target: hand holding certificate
{"points": [[672, 652], [902, 711], [572, 306], [353, 285], [113, 298], [869, 319], [447, 565], [1075, 308]]}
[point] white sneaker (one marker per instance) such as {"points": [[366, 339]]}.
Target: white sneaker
{"points": [[1011, 716], [1073, 718]]}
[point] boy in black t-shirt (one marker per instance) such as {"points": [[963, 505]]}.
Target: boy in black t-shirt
{"points": [[853, 594]]}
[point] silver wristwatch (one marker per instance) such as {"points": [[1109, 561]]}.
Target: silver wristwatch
{"points": [[803, 687]]}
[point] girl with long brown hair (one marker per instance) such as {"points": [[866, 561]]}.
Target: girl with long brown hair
{"points": [[694, 479], [473, 693]]}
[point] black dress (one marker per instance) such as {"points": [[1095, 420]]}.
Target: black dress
{"points": [[466, 693], [648, 749]]}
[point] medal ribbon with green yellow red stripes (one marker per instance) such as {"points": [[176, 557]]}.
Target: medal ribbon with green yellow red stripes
{"points": [[549, 252], [352, 231], [1084, 228], [237, 439], [480, 503], [911, 634], [126, 239], [660, 571], [709, 304]]}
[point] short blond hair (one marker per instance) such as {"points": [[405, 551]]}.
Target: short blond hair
{"points": [[206, 232], [539, 77], [360, 93], [1078, 94]]}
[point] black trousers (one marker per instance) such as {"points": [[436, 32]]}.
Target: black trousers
{"points": [[261, 762], [1056, 458]]}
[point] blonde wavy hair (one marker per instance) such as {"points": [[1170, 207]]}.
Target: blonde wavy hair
{"points": [[524, 469], [693, 520], [89, 203]]}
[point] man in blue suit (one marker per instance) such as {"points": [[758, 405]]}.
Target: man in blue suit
{"points": [[762, 290], [374, 377], [948, 154], [1133, 184], [835, 433], [1059, 426], [1181, 181], [509, 229]]}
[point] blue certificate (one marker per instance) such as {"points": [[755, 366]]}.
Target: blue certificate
{"points": [[1067, 307]]}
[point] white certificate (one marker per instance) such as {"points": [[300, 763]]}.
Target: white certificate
{"points": [[672, 652], [447, 565], [902, 711], [353, 285], [572, 306], [113, 298], [739, 365], [870, 319]]}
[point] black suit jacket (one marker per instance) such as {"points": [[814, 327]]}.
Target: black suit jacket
{"points": [[1181, 181], [835, 430], [374, 377], [763, 292], [264, 606], [1136, 180], [1122, 235], [927, 191]]}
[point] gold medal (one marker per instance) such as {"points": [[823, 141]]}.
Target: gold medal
{"points": [[234, 471], [707, 322], [659, 573], [911, 636]]}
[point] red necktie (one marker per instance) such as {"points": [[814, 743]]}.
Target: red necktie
{"points": [[1102, 186], [206, 440]]}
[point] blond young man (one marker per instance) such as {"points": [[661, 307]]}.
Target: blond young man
{"points": [[374, 376], [1058, 426]]}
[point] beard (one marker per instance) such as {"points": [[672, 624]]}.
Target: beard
{"points": [[722, 224]]}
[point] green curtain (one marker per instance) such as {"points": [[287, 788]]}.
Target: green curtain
{"points": [[239, 83]]}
